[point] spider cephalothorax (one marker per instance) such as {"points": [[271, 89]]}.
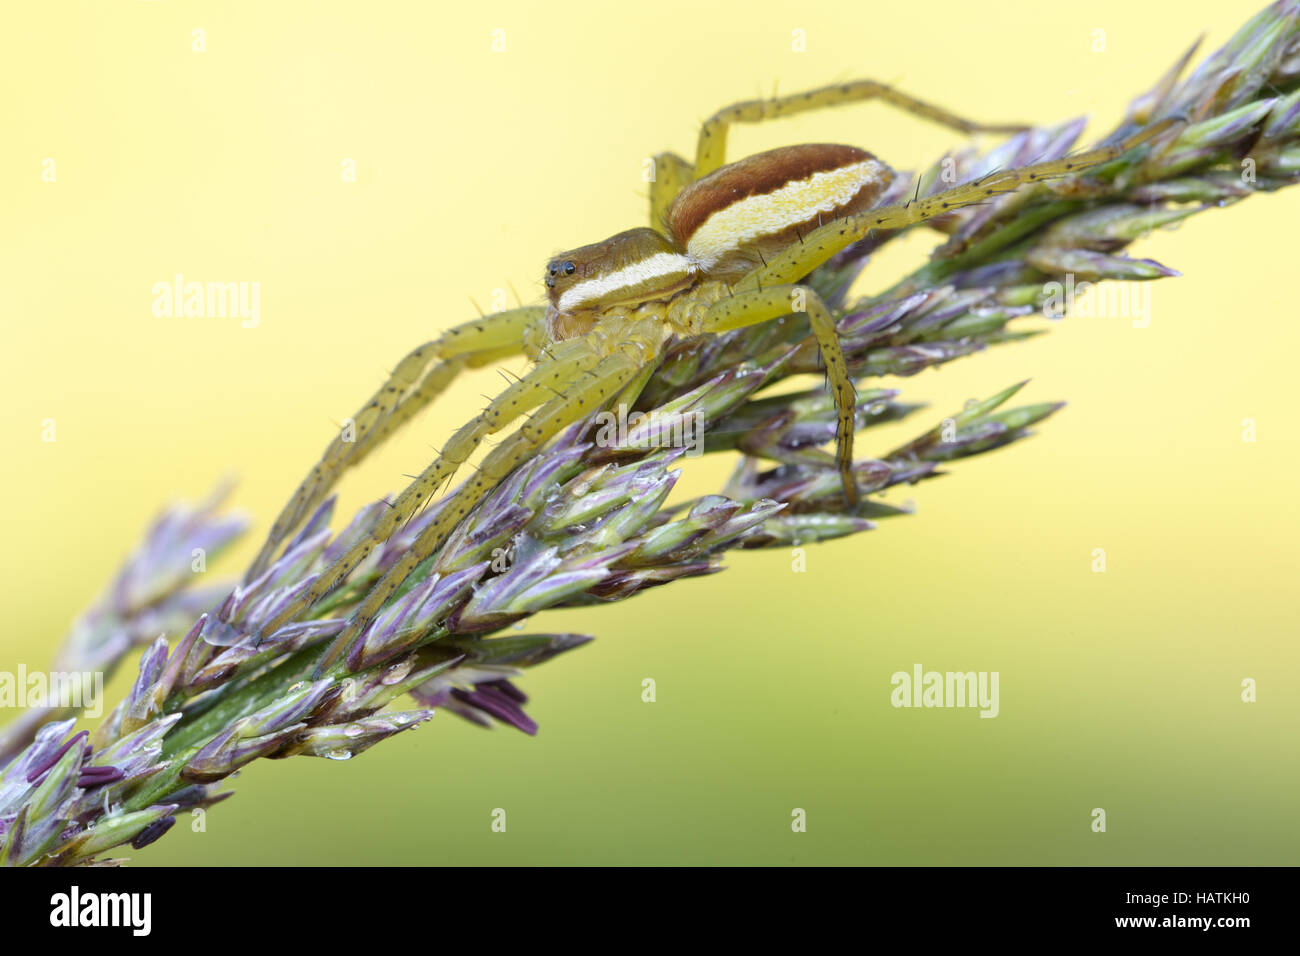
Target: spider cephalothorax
{"points": [[729, 246]]}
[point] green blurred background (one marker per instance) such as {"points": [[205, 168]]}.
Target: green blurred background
{"points": [[1118, 690]]}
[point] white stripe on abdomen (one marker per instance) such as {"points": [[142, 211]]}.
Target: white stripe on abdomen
{"points": [[769, 214]]}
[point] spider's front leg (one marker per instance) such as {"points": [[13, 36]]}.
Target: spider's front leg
{"points": [[566, 362], [596, 346], [585, 394], [417, 380]]}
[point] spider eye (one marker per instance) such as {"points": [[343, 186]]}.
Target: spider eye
{"points": [[551, 268], [569, 268]]}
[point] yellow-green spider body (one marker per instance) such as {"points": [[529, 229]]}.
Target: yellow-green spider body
{"points": [[727, 247]]}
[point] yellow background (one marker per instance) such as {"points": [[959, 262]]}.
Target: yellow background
{"points": [[1118, 690]]}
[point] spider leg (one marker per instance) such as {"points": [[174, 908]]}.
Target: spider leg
{"points": [[585, 394], [671, 175], [410, 388], [571, 360], [712, 150], [817, 246], [761, 305]]}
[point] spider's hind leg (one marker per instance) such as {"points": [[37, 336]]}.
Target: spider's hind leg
{"points": [[711, 152], [765, 292], [670, 174], [416, 381], [814, 248]]}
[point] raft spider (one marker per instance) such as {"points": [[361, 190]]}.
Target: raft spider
{"points": [[728, 247]]}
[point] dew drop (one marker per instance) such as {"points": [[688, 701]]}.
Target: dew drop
{"points": [[339, 754], [396, 674], [353, 730]]}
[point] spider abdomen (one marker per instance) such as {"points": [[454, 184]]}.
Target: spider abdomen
{"points": [[741, 213]]}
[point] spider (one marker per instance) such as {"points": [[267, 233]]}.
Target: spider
{"points": [[728, 247]]}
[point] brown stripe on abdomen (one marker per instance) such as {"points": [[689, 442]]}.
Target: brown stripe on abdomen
{"points": [[732, 218]]}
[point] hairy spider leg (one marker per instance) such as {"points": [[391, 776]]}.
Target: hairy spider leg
{"points": [[761, 305], [817, 246], [711, 152], [585, 396], [377, 419], [571, 360], [670, 175], [410, 388], [765, 294], [672, 172]]}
